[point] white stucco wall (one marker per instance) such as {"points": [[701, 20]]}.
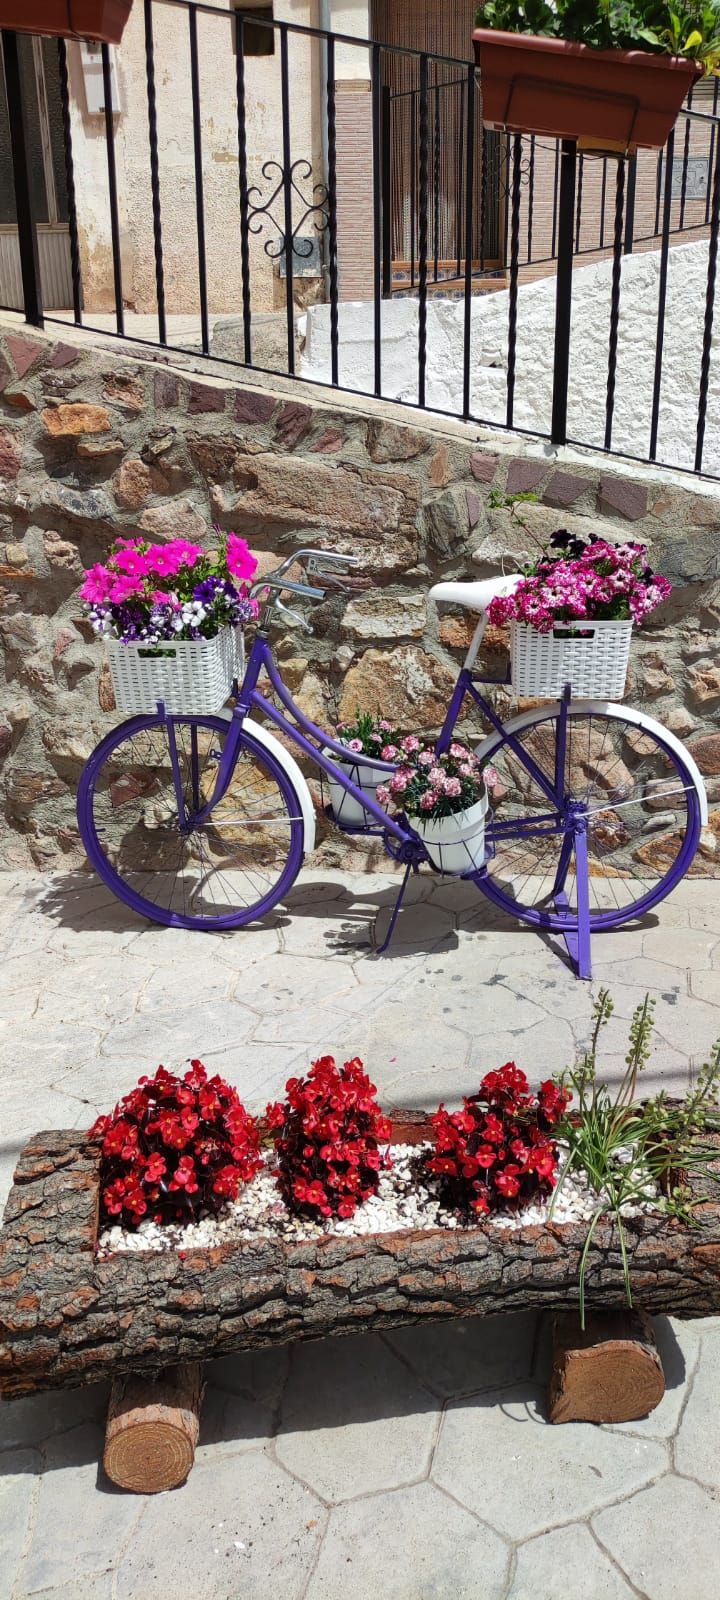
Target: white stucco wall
{"points": [[687, 280], [351, 17], [175, 139]]}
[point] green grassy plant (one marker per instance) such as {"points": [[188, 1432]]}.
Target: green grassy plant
{"points": [[631, 1151]]}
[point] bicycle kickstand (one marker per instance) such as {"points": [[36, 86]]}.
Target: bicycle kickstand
{"points": [[411, 867], [578, 939]]}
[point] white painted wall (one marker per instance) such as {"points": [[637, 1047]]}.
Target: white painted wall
{"points": [[352, 17], [175, 140], [687, 280]]}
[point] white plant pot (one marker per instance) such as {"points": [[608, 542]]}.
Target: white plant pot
{"points": [[456, 843], [193, 675], [348, 811], [595, 665]]}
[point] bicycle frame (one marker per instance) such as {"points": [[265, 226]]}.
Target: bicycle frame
{"points": [[316, 743]]}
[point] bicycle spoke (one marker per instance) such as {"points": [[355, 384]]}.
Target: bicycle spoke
{"points": [[218, 870], [637, 799]]}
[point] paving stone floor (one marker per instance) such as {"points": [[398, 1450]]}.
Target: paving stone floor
{"points": [[416, 1465]]}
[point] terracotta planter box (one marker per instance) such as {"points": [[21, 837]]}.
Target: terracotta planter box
{"points": [[67, 1318], [72, 19], [607, 99]]}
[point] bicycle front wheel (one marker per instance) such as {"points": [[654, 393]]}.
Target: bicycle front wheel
{"points": [[223, 872], [628, 786]]}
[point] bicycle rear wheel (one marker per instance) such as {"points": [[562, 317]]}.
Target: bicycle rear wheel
{"points": [[230, 869], [626, 784]]}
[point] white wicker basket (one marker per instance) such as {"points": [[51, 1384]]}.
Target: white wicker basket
{"points": [[594, 662], [187, 675]]}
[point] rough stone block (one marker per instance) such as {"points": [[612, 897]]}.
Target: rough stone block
{"points": [[251, 405], [166, 390], [445, 521], [76, 419], [15, 395], [705, 684], [284, 492], [213, 457], [565, 488], [473, 508], [126, 390], [384, 616], [9, 454], [524, 475], [205, 398], [390, 441], [175, 520], [99, 449], [329, 442], [293, 423], [483, 467], [617, 497], [408, 686], [706, 752], [64, 355], [90, 505], [131, 486], [23, 352]]}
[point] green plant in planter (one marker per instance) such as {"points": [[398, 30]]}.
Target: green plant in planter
{"points": [[652, 25], [629, 1151]]}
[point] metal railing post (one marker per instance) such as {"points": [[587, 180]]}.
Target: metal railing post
{"points": [[26, 221], [563, 291], [386, 170], [630, 206]]}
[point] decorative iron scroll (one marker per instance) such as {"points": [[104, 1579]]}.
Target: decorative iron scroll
{"points": [[315, 207]]}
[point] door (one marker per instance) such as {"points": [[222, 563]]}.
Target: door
{"points": [[445, 29], [41, 86]]}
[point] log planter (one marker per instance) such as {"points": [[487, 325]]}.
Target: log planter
{"points": [[69, 1318]]}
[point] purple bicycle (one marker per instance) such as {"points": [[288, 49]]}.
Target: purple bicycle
{"points": [[203, 821]]}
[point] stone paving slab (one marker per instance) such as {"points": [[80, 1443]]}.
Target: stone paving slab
{"points": [[417, 1464]]}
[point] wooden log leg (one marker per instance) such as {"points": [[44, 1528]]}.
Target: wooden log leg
{"points": [[152, 1428], [610, 1372]]}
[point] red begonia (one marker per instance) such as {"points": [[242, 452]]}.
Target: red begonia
{"points": [[327, 1136], [175, 1149], [498, 1153]]}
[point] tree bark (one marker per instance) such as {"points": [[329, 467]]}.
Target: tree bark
{"points": [[68, 1318], [610, 1371], [152, 1428]]}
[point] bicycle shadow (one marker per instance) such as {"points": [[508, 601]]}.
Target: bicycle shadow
{"points": [[435, 912]]}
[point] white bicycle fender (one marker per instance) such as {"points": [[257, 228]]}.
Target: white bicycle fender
{"points": [[290, 766], [606, 708]]}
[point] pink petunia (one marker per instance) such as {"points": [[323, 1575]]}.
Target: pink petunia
{"points": [[241, 562], [97, 585]]}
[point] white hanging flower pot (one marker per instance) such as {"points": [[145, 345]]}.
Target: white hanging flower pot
{"points": [[348, 811], [455, 843]]}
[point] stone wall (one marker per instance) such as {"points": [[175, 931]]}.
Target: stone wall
{"points": [[94, 442]]}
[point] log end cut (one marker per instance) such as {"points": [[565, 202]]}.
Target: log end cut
{"points": [[610, 1371], [152, 1429]]}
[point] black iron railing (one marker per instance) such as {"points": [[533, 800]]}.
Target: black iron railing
{"points": [[400, 191]]}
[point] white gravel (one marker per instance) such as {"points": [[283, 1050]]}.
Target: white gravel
{"points": [[402, 1202]]}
